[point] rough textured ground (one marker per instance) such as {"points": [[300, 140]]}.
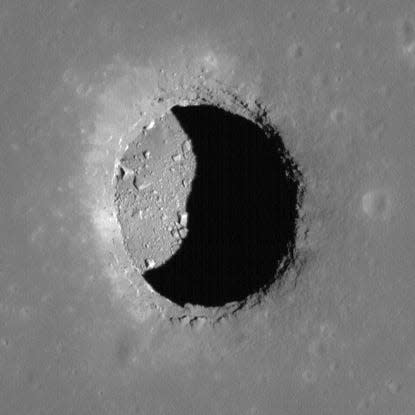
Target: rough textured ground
{"points": [[80, 80], [153, 182]]}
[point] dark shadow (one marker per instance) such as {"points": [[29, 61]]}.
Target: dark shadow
{"points": [[242, 212]]}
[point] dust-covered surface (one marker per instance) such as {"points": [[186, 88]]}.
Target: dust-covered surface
{"points": [[80, 80]]}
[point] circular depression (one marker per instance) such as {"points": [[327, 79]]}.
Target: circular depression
{"points": [[208, 201]]}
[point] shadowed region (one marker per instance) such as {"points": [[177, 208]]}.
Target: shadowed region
{"points": [[241, 212]]}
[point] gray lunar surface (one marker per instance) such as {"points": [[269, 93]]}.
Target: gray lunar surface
{"points": [[86, 87]]}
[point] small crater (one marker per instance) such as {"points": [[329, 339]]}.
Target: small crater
{"points": [[393, 386], [377, 204], [406, 32], [309, 375], [338, 116], [295, 51]]}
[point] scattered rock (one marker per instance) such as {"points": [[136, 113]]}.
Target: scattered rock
{"points": [[175, 234], [149, 202], [123, 172], [186, 146], [183, 232], [151, 125], [141, 186], [150, 263], [183, 218]]}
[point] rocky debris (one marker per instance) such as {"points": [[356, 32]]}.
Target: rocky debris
{"points": [[183, 233], [122, 172], [150, 263], [177, 157], [183, 218], [151, 204], [140, 186], [151, 125], [135, 183], [175, 234], [186, 146]]}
